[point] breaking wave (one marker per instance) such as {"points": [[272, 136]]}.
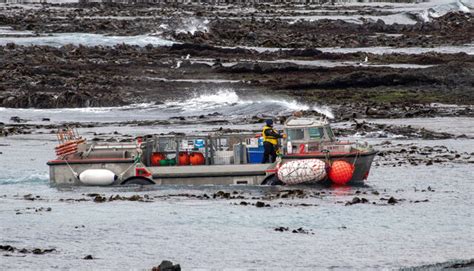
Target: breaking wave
{"points": [[430, 13], [186, 25], [225, 102], [193, 25], [228, 102]]}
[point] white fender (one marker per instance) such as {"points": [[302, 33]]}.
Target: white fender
{"points": [[97, 177], [300, 171]]}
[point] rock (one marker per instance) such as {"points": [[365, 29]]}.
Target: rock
{"points": [[10, 46], [259, 204], [281, 229], [88, 257], [301, 230], [392, 200], [17, 119], [7, 248], [100, 199], [167, 266], [37, 251]]}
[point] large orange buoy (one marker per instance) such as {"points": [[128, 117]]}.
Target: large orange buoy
{"points": [[183, 159], [341, 172], [196, 158], [156, 157]]}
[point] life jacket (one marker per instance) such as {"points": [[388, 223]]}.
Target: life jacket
{"points": [[270, 139]]}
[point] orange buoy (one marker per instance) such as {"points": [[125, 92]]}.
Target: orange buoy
{"points": [[156, 157], [196, 158], [183, 159], [341, 172]]}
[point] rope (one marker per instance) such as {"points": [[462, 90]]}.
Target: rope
{"points": [[356, 157], [135, 161]]}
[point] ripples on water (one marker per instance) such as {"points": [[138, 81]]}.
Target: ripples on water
{"points": [[217, 234]]}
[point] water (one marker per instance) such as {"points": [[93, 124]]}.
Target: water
{"points": [[193, 232], [8, 31], [225, 102], [86, 39], [314, 63], [456, 126], [380, 50], [216, 234], [328, 63]]}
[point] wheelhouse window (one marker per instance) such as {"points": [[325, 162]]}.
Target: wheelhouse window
{"points": [[330, 133], [316, 133], [295, 134]]}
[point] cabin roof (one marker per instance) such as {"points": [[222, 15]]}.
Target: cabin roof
{"points": [[307, 121]]}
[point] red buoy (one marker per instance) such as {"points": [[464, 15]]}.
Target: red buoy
{"points": [[183, 159], [156, 157], [197, 158], [341, 172]]}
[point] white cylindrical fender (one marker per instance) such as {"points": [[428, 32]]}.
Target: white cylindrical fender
{"points": [[300, 171], [97, 177]]}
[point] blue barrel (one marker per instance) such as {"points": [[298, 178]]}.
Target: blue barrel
{"points": [[255, 155]]}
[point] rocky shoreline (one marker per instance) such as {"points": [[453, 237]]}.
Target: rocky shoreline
{"points": [[70, 76], [451, 29], [205, 57], [262, 26]]}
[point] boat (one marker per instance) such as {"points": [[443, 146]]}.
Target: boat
{"points": [[310, 153]]}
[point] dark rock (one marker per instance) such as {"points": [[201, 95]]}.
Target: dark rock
{"points": [[281, 229], [167, 266], [7, 248], [392, 200], [17, 119], [99, 199]]}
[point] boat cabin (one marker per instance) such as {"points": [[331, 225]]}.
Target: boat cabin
{"points": [[310, 135]]}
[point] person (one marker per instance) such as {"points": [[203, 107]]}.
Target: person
{"points": [[270, 142]]}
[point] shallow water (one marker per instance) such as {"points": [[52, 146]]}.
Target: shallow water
{"points": [[86, 39], [314, 63], [456, 126], [468, 49], [217, 234]]}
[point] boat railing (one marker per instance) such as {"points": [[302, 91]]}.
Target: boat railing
{"points": [[215, 149]]}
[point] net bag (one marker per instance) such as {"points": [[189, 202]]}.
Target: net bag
{"points": [[301, 171]]}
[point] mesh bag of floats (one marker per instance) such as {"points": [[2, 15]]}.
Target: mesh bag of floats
{"points": [[301, 171]]}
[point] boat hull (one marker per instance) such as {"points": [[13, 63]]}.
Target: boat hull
{"points": [[362, 162], [66, 173]]}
